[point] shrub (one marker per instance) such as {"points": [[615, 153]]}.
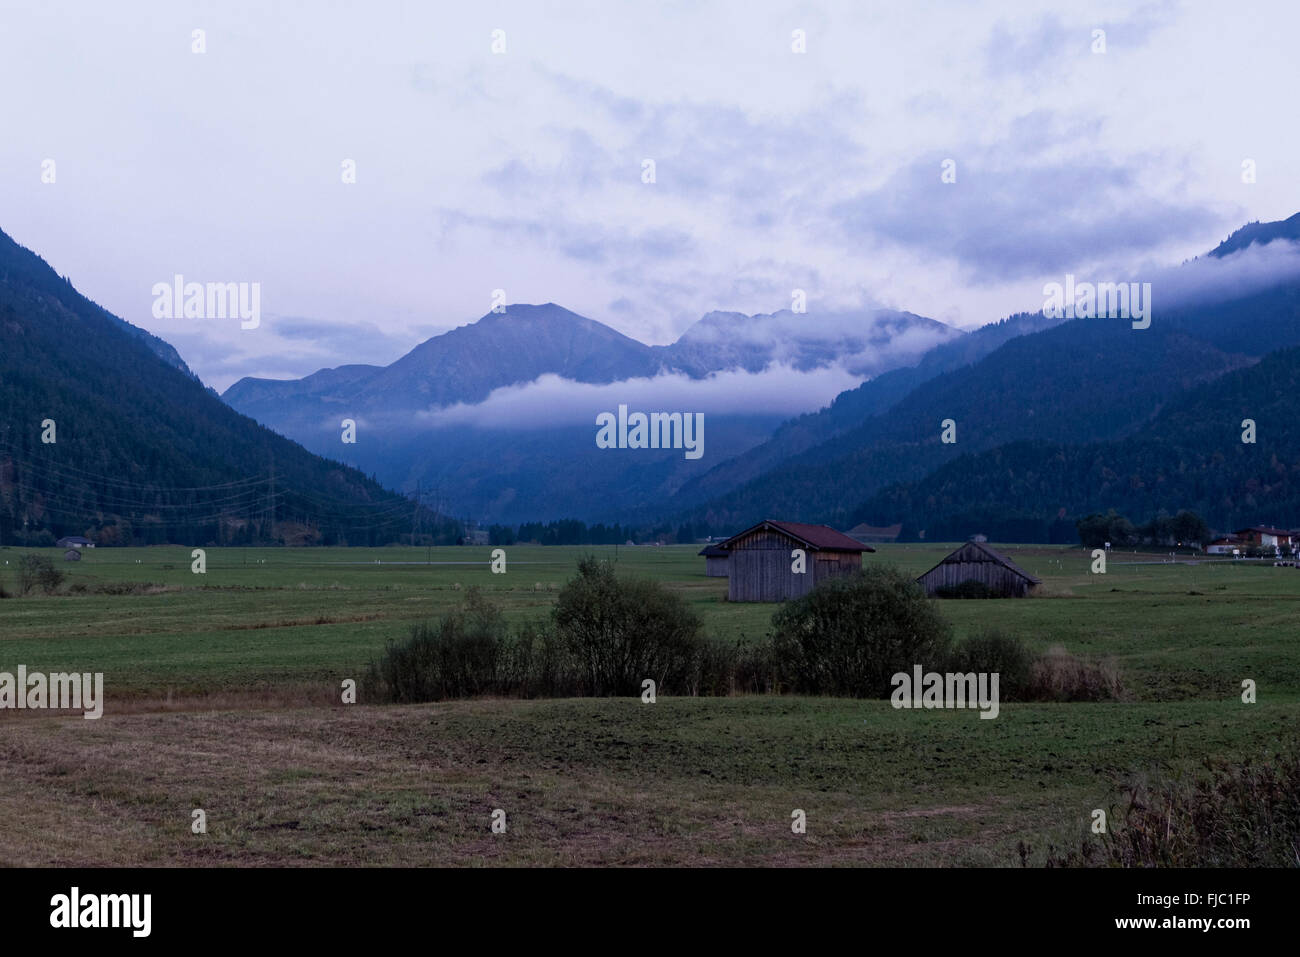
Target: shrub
{"points": [[38, 571], [968, 589], [456, 657], [715, 667], [535, 665], [754, 669], [1060, 676], [620, 632], [849, 635], [1243, 814], [994, 652]]}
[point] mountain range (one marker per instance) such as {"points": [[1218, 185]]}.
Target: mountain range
{"points": [[1069, 386], [878, 416], [427, 420], [1027, 378]]}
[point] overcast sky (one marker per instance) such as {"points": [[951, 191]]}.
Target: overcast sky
{"points": [[523, 170]]}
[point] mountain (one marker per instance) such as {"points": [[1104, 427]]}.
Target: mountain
{"points": [[863, 345], [850, 408], [463, 365], [511, 470], [1081, 381], [1260, 233], [1190, 456], [141, 451]]}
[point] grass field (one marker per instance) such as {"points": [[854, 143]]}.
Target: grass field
{"points": [[222, 694]]}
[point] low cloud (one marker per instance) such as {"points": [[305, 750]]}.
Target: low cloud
{"points": [[550, 399], [1209, 279]]}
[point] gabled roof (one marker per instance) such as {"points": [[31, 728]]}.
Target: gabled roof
{"points": [[713, 551], [1263, 530], [819, 538], [979, 552]]}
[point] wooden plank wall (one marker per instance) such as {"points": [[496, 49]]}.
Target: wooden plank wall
{"points": [[995, 576], [763, 573]]}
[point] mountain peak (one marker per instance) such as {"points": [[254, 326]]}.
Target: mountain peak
{"points": [[1262, 233]]}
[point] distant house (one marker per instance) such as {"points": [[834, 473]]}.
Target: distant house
{"points": [[1263, 536], [715, 561], [74, 541], [474, 535], [977, 562], [72, 555], [871, 533], [762, 563], [1223, 546]]}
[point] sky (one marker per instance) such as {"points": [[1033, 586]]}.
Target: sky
{"points": [[524, 170]]}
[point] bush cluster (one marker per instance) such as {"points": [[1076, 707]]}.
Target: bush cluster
{"points": [[607, 634], [850, 635]]}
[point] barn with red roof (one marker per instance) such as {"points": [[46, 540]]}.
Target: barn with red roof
{"points": [[775, 560]]}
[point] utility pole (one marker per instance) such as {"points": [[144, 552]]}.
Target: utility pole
{"points": [[271, 501]]}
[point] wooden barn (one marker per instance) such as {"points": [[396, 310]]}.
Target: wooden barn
{"points": [[715, 561], [976, 562], [761, 561]]}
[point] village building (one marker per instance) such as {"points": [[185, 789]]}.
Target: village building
{"points": [[977, 562], [1223, 546], [74, 541], [715, 561], [763, 564], [1263, 536]]}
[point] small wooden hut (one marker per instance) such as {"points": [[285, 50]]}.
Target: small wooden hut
{"points": [[762, 562], [715, 561], [977, 562]]}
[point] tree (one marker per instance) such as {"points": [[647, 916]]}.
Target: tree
{"points": [[622, 631], [850, 635], [1096, 530], [37, 570], [1189, 528]]}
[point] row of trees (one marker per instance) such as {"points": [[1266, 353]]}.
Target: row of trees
{"points": [[573, 532], [1185, 528]]}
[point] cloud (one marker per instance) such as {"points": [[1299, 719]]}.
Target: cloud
{"points": [[993, 220], [1210, 279], [280, 348], [523, 171], [550, 399], [1049, 47]]}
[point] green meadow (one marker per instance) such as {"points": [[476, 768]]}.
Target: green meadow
{"points": [[222, 693], [1177, 631]]}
